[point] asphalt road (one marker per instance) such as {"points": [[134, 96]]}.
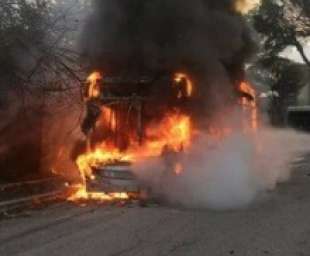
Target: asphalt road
{"points": [[278, 225]]}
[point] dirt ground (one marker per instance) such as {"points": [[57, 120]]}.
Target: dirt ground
{"points": [[278, 225]]}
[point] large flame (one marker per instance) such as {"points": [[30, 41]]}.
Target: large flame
{"points": [[173, 131]]}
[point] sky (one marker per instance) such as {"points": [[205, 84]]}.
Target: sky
{"points": [[292, 53]]}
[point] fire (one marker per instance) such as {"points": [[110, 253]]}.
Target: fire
{"points": [[93, 90], [173, 131], [247, 88], [103, 154], [178, 169], [246, 6], [82, 194], [108, 117], [86, 162], [249, 105], [182, 77]]}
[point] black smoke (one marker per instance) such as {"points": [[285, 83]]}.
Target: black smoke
{"points": [[205, 38]]}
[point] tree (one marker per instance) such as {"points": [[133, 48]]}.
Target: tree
{"points": [[36, 46], [283, 23], [39, 76]]}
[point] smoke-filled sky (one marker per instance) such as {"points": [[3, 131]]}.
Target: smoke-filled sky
{"points": [[208, 39], [156, 33]]}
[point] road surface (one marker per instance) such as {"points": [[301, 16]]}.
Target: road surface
{"points": [[279, 225]]}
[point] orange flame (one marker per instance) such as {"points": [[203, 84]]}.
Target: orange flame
{"points": [[178, 78], [109, 117], [82, 194], [245, 6], [93, 87], [174, 131], [249, 105]]}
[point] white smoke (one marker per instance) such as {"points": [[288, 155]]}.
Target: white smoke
{"points": [[230, 173]]}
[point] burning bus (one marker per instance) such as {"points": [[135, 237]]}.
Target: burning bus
{"points": [[127, 119], [161, 72]]}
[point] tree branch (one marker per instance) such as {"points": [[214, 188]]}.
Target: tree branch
{"points": [[302, 53]]}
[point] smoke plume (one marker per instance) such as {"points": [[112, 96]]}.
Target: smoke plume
{"points": [[230, 173], [208, 39]]}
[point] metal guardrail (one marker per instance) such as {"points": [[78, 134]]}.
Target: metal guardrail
{"points": [[27, 199], [20, 201], [19, 184]]}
